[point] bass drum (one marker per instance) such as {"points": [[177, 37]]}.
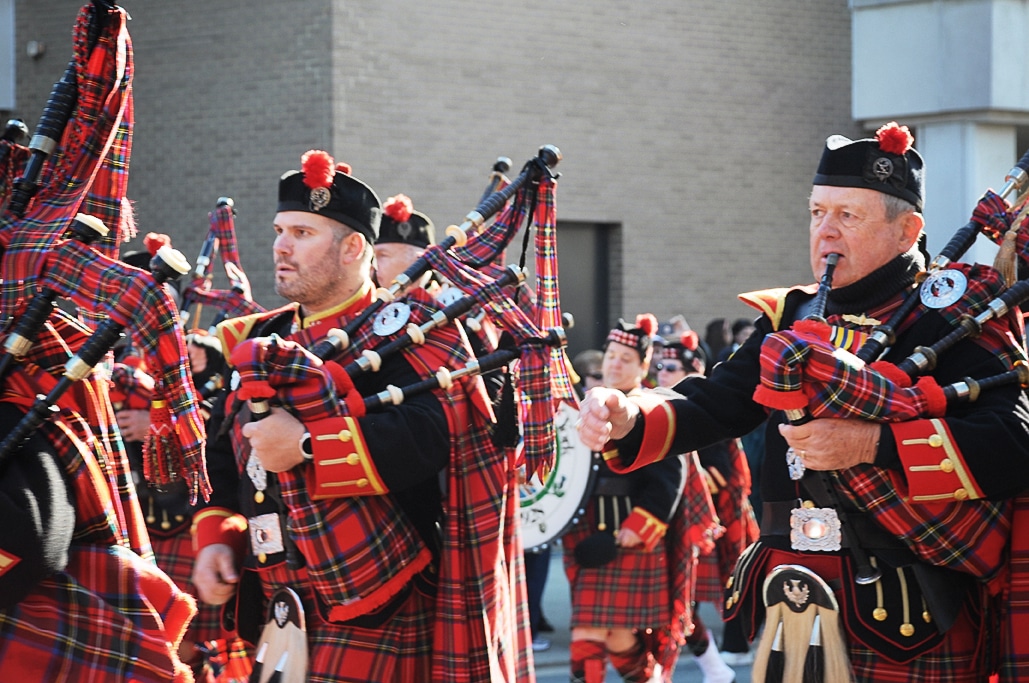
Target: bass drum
{"points": [[549, 507]]}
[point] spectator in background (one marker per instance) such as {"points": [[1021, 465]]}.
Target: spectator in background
{"points": [[587, 367], [717, 336], [741, 329]]}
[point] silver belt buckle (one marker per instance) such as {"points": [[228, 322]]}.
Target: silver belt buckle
{"points": [[265, 534], [815, 529]]}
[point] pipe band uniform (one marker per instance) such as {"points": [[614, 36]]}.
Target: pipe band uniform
{"points": [[356, 529], [912, 479]]}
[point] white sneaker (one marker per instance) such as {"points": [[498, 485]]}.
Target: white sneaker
{"points": [[738, 658], [540, 644], [715, 670]]}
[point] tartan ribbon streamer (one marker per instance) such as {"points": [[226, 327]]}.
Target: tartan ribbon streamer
{"points": [[542, 377], [89, 171], [801, 369]]}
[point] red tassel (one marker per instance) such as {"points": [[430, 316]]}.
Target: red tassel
{"points": [[162, 456]]}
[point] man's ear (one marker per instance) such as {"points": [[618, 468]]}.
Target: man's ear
{"points": [[353, 247], [912, 224]]}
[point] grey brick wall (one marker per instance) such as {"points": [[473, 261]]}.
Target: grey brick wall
{"points": [[694, 125]]}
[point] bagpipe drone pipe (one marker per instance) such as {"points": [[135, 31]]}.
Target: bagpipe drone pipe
{"points": [[232, 302], [77, 164]]}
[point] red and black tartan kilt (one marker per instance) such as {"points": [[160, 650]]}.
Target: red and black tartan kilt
{"points": [[399, 651], [709, 586], [629, 592], [175, 556]]}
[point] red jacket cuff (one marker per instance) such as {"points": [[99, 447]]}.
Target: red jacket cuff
{"points": [[935, 469], [219, 525], [658, 430], [342, 464], [647, 526]]}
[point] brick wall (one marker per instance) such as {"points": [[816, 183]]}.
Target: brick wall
{"points": [[695, 126]]}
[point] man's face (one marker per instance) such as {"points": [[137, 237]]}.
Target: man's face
{"points": [[852, 222], [308, 267], [622, 367], [392, 259]]}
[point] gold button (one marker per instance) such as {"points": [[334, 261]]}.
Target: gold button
{"points": [[361, 483], [353, 459], [946, 465], [961, 494], [259, 497], [926, 617], [808, 504], [728, 584], [344, 435], [935, 440], [262, 558], [879, 614], [907, 630]]}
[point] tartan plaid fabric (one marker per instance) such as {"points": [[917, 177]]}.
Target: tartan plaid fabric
{"points": [[481, 622], [732, 503], [1014, 601], [12, 159], [131, 388], [111, 614], [399, 653], [541, 374], [175, 558], [89, 171]]}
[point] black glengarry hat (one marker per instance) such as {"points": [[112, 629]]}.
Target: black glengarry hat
{"points": [[401, 224], [326, 188], [637, 336], [886, 163]]}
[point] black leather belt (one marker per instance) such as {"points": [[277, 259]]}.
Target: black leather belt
{"points": [[612, 486]]}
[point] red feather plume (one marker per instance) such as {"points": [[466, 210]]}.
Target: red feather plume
{"points": [[894, 139], [398, 208], [690, 340], [318, 168], [343, 167], [647, 322], [154, 241]]}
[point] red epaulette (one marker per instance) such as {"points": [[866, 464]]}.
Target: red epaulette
{"points": [[772, 302], [231, 332]]}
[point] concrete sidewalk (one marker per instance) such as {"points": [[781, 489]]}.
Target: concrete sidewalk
{"points": [[552, 665]]}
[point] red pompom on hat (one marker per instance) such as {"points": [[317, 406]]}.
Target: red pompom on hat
{"points": [[689, 340], [647, 322], [894, 139], [154, 241], [318, 168], [398, 207]]}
